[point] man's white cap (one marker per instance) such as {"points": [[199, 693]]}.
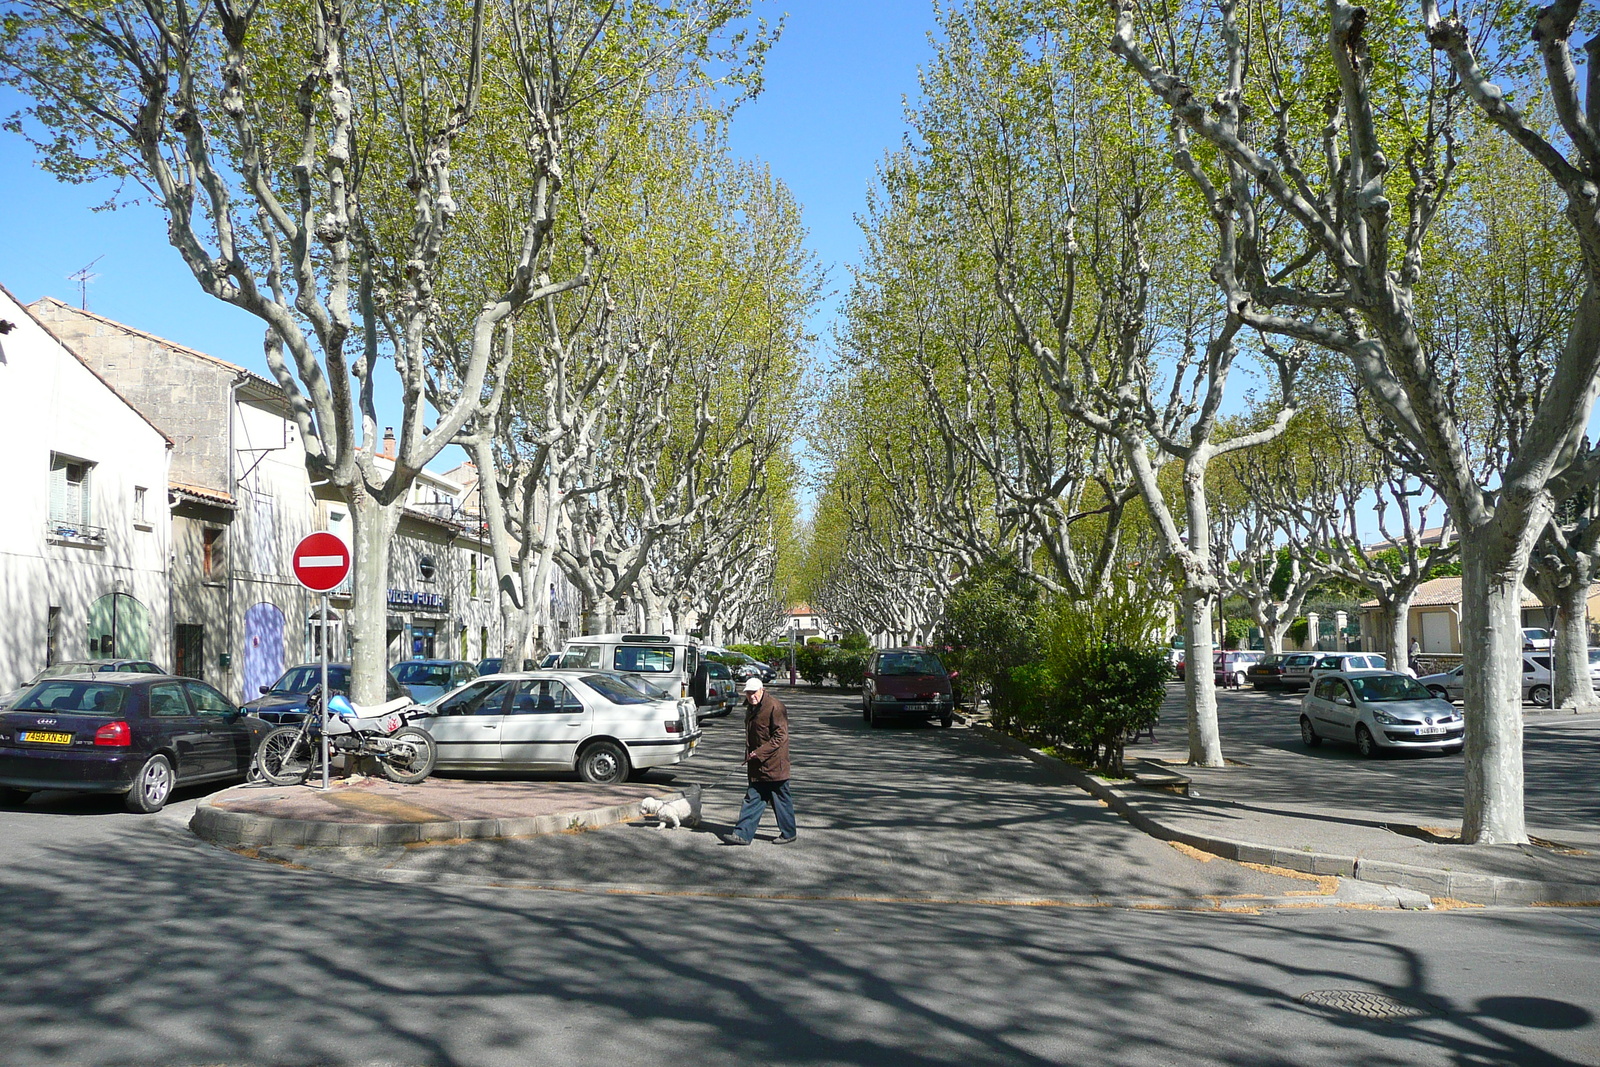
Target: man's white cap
{"points": [[753, 686]]}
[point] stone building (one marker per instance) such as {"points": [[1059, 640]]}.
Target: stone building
{"points": [[84, 537], [238, 493]]}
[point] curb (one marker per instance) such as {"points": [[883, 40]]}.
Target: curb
{"points": [[234, 829], [1488, 889]]}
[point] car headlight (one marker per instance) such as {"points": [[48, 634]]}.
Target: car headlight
{"points": [[1385, 718]]}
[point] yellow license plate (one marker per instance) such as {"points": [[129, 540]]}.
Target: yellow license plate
{"points": [[42, 738]]}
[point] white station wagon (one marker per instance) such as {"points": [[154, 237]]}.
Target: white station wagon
{"points": [[596, 723]]}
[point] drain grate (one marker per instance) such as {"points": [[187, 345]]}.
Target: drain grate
{"points": [[1361, 1003]]}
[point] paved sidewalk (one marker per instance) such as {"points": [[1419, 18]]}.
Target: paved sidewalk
{"points": [[372, 811], [1239, 812]]}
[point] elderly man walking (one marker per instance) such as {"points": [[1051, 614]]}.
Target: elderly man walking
{"points": [[766, 729]]}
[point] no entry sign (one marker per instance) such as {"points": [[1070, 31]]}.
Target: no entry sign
{"points": [[321, 561]]}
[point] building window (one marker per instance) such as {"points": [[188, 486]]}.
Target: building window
{"points": [[69, 489], [211, 553], [427, 568], [474, 575], [52, 636]]}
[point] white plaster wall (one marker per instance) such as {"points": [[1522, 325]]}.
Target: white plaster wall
{"points": [[50, 402]]}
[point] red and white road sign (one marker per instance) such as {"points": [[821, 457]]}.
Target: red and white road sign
{"points": [[321, 561]]}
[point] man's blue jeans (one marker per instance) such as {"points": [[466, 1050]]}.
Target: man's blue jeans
{"points": [[756, 798]]}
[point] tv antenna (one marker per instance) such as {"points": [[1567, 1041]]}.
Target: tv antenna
{"points": [[83, 278]]}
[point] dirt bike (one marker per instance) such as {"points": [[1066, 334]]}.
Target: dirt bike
{"points": [[405, 753]]}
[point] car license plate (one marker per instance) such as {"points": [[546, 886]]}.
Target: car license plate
{"points": [[919, 707], [1429, 731], [41, 737]]}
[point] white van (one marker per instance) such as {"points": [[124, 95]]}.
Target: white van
{"points": [[667, 661]]}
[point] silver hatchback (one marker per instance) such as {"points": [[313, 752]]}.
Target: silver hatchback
{"points": [[1379, 710]]}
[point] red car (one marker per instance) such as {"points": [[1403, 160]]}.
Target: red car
{"points": [[906, 682]]}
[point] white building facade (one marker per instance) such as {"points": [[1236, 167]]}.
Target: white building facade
{"points": [[85, 537]]}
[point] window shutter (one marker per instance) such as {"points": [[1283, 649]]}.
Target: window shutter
{"points": [[58, 490]]}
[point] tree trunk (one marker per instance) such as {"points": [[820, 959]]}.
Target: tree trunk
{"points": [[1491, 645], [1569, 661], [372, 527], [1397, 620], [597, 615], [1205, 739]]}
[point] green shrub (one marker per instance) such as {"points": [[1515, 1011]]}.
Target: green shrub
{"points": [[988, 628], [812, 663], [1235, 633], [849, 666], [1099, 676], [767, 653]]}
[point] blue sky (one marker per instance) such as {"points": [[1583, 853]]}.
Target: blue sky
{"points": [[832, 106]]}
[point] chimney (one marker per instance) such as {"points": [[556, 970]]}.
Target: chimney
{"points": [[387, 452]]}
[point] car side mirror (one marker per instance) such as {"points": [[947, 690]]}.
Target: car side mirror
{"points": [[266, 688]]}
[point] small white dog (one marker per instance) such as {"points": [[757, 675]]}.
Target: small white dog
{"points": [[683, 811]]}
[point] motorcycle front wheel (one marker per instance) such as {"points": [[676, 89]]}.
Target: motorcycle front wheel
{"points": [[286, 756], [410, 757]]}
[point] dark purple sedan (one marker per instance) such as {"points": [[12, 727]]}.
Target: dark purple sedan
{"points": [[141, 735]]}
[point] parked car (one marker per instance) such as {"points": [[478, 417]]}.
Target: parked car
{"points": [[666, 660], [1538, 680], [1377, 711], [743, 666], [1446, 685], [1347, 662], [715, 690], [85, 666], [1536, 638], [592, 722], [493, 663], [1266, 672], [906, 682], [1297, 669], [283, 703], [429, 679], [141, 735], [1229, 666]]}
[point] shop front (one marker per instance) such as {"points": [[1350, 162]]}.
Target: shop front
{"points": [[418, 624]]}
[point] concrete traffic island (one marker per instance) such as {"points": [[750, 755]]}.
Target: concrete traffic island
{"points": [[362, 811]]}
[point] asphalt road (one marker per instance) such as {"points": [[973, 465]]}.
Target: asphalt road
{"points": [[1561, 761], [129, 942]]}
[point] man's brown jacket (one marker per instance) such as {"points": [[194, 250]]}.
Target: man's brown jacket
{"points": [[766, 730]]}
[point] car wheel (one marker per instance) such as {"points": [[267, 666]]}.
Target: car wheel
{"points": [[151, 786], [872, 717], [603, 763], [1439, 691], [1540, 695], [866, 710], [1307, 734], [1238, 680], [1364, 742], [947, 721]]}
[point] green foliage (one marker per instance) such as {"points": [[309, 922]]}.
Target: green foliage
{"points": [[770, 654], [1236, 633], [1298, 631], [812, 661], [988, 626], [1081, 675]]}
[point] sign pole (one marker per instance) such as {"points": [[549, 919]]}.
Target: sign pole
{"points": [[324, 629]]}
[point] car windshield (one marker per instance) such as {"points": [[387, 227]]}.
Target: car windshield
{"points": [[80, 698], [615, 689], [910, 663], [424, 674], [1381, 688], [302, 680]]}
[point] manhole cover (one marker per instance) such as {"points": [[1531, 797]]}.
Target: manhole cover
{"points": [[1361, 1003]]}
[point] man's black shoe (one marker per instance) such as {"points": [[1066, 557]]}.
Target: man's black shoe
{"points": [[786, 840], [733, 839]]}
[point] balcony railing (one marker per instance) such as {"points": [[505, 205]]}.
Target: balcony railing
{"points": [[74, 533]]}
